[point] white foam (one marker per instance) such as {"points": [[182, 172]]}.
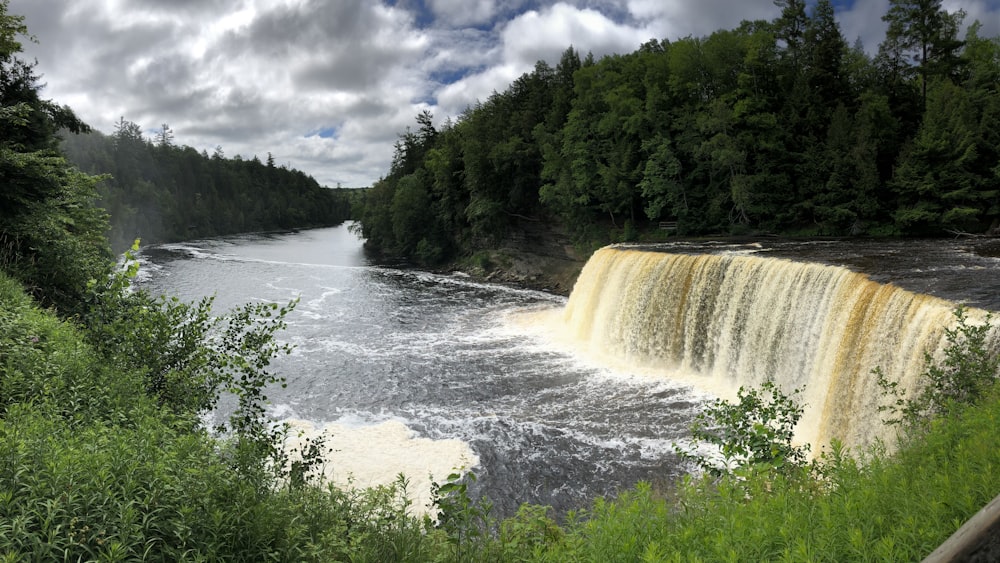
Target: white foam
{"points": [[373, 455], [319, 301]]}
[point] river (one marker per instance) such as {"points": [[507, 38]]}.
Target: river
{"points": [[421, 372], [448, 358]]}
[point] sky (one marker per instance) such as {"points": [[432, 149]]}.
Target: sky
{"points": [[327, 86]]}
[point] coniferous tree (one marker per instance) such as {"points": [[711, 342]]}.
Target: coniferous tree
{"points": [[165, 136], [922, 32], [51, 235], [773, 126]]}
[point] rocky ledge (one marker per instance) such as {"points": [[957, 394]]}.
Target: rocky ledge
{"points": [[535, 255]]}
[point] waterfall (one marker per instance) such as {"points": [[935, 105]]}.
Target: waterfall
{"points": [[731, 321]]}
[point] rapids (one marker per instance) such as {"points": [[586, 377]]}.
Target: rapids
{"points": [[555, 401]]}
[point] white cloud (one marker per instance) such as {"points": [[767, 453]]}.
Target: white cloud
{"points": [[454, 98], [987, 12], [259, 76], [673, 19], [864, 21], [545, 35], [464, 12], [534, 36]]}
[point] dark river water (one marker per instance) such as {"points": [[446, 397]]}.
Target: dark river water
{"points": [[445, 356], [404, 361], [961, 270]]}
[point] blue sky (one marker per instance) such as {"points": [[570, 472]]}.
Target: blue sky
{"points": [[326, 86]]}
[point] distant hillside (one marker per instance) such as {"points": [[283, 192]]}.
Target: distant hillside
{"points": [[162, 192]]}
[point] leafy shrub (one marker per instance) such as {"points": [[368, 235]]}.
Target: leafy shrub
{"points": [[44, 361], [94, 467], [528, 532], [757, 429], [466, 522], [428, 253], [189, 355], [968, 370]]}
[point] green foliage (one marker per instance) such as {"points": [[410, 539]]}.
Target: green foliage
{"points": [[757, 429], [774, 126], [188, 355], [51, 236], [42, 361], [95, 463], [161, 191], [151, 492], [876, 508], [966, 373], [528, 533], [922, 31], [465, 522]]}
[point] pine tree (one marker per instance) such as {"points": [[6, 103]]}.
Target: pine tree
{"points": [[165, 136], [923, 32], [51, 235]]}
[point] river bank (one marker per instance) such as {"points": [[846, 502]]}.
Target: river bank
{"points": [[534, 255]]}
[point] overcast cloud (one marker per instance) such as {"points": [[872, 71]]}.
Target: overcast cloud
{"points": [[326, 86]]}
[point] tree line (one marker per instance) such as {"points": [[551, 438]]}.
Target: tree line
{"points": [[158, 191], [775, 126], [104, 454]]}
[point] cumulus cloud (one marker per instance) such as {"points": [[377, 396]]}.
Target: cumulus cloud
{"points": [[986, 12], [863, 22], [680, 18], [325, 86], [454, 98], [464, 12], [544, 35]]}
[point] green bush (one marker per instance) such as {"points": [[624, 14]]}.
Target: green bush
{"points": [[95, 465], [866, 507], [45, 361], [968, 370], [757, 429]]}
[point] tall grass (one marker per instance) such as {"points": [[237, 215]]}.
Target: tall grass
{"points": [[872, 507]]}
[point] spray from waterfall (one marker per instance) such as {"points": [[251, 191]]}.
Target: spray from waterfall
{"points": [[731, 321]]}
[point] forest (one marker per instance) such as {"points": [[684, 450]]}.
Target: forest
{"points": [[774, 127], [104, 453], [158, 191]]}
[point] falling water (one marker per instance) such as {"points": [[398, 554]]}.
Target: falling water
{"points": [[731, 321]]}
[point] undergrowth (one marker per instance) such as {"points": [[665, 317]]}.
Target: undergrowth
{"points": [[101, 459]]}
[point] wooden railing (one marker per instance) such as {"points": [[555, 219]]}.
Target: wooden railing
{"points": [[977, 540]]}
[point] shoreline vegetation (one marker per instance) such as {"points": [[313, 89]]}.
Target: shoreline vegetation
{"points": [[103, 455], [102, 461], [160, 192], [774, 128]]}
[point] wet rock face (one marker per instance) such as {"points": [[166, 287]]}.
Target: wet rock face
{"points": [[534, 254], [989, 248], [545, 273]]}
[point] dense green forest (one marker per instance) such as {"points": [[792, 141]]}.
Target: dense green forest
{"points": [[776, 126], [158, 191], [104, 455]]}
